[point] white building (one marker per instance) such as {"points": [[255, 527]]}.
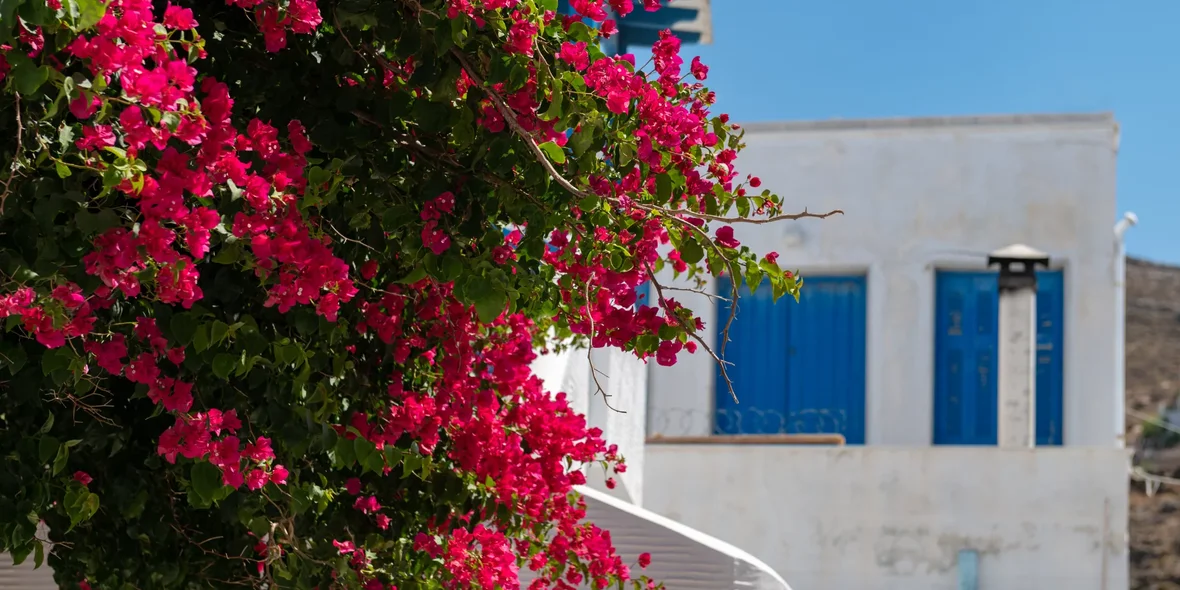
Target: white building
{"points": [[894, 346]]}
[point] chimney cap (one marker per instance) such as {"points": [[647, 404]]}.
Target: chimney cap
{"points": [[1018, 264], [1018, 253]]}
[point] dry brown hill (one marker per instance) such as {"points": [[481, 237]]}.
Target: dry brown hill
{"points": [[1153, 380]]}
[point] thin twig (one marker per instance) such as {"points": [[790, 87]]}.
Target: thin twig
{"points": [[757, 221], [590, 355], [346, 238], [15, 156], [733, 308], [692, 332], [697, 291], [732, 266]]}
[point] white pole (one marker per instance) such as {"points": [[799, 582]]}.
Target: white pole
{"points": [[1120, 321]]}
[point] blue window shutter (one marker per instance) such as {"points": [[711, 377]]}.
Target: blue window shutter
{"points": [[645, 295], [1050, 365], [965, 358], [757, 348], [966, 346], [798, 368]]}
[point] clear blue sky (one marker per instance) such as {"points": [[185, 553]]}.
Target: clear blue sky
{"points": [[790, 59]]}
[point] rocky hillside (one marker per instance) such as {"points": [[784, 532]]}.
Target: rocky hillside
{"points": [[1153, 380]]}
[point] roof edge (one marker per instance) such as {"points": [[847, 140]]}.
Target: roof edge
{"points": [[683, 530], [901, 123]]}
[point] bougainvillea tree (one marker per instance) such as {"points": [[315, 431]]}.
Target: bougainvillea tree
{"points": [[272, 274]]}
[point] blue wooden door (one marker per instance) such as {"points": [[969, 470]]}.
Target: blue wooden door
{"points": [[798, 367], [966, 347]]}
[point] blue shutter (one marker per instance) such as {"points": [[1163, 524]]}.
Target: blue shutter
{"points": [[966, 347], [645, 295], [758, 350], [1050, 368], [798, 368], [965, 358]]}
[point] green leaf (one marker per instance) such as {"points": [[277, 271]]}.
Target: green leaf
{"points": [[393, 456], [38, 14], [410, 464], [664, 187], [778, 287], [38, 554], [196, 501], [301, 499], [201, 339], [47, 425], [488, 298], [224, 364], [47, 448], [626, 154], [13, 357], [135, 507], [554, 152], [206, 479], [588, 203], [28, 78], [86, 13], [743, 206], [8, 17], [58, 359], [691, 251], [184, 327], [63, 456], [21, 553], [90, 506], [415, 275], [62, 170], [229, 253], [94, 223], [753, 277], [259, 525], [365, 451], [217, 332], [771, 268], [345, 452], [554, 110], [550, 5]]}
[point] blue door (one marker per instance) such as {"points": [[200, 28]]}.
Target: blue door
{"points": [[797, 368], [966, 347]]}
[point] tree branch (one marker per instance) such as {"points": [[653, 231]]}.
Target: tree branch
{"points": [[15, 156], [510, 117]]}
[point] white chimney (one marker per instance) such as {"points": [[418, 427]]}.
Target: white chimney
{"points": [[1018, 337]]}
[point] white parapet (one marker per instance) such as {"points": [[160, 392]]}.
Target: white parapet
{"points": [[682, 558]]}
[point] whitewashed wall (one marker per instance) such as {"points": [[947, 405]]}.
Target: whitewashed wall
{"points": [[865, 518], [921, 195], [624, 379]]}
